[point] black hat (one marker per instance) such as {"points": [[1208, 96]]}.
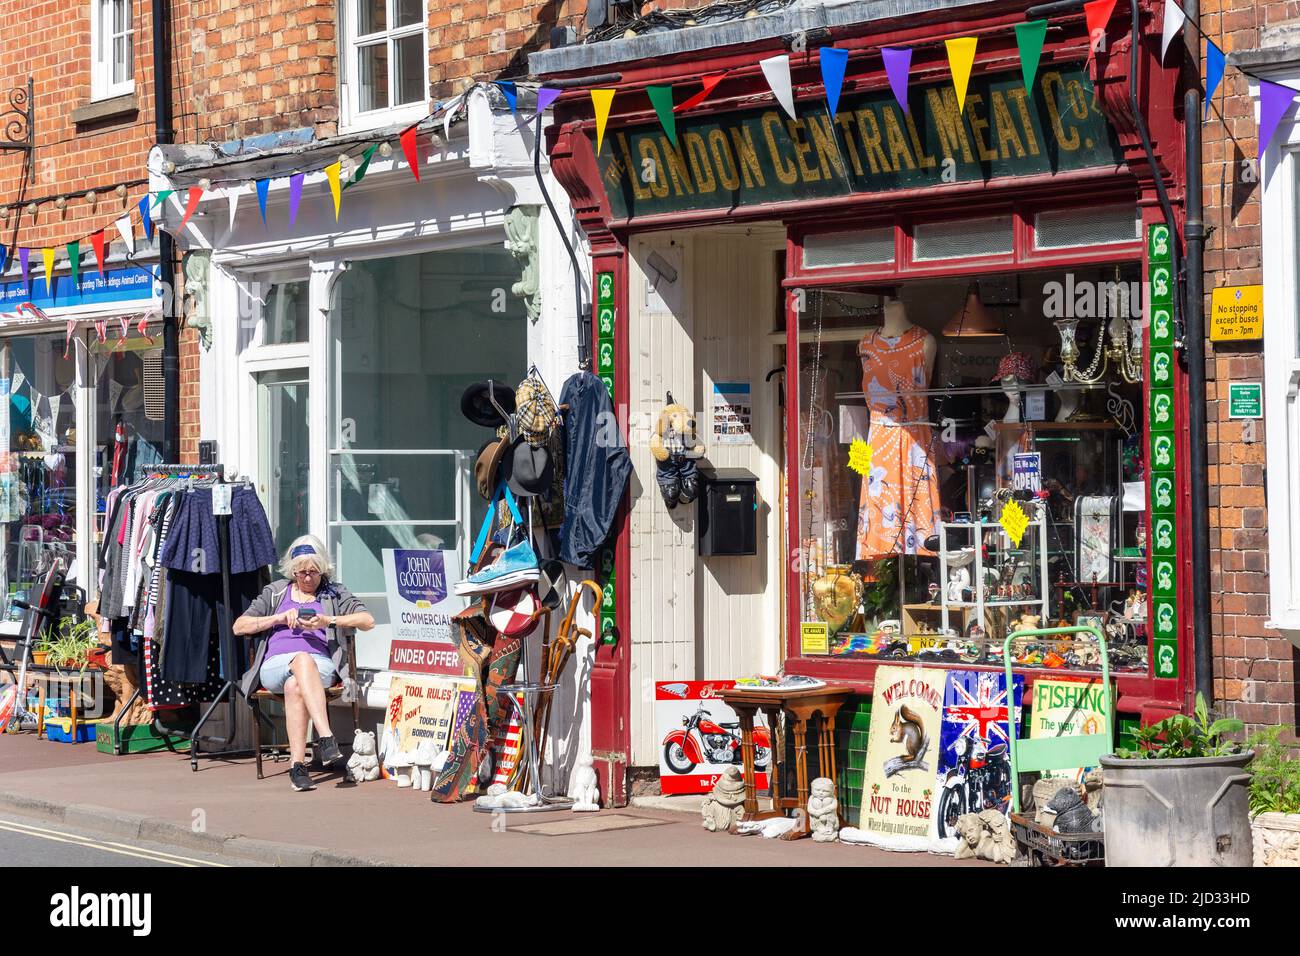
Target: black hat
{"points": [[476, 403], [528, 470]]}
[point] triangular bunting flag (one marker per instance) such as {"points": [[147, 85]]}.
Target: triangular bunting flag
{"points": [[145, 219], [332, 172], [48, 256], [161, 197], [777, 71], [232, 206], [74, 263], [601, 100], [545, 97], [834, 61], [898, 65], [1097, 14], [708, 83], [961, 57], [411, 153], [1029, 40], [512, 96], [24, 260], [191, 204], [4, 258], [661, 98], [97, 240], [295, 195], [1274, 100], [1174, 20], [359, 173], [263, 187], [1215, 62], [127, 233]]}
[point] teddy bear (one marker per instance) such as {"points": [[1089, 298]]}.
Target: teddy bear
{"points": [[676, 447], [363, 764]]}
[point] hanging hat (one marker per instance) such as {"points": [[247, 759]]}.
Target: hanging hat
{"points": [[487, 403], [528, 468], [487, 467], [536, 413]]}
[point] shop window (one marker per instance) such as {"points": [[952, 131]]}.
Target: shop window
{"points": [[969, 399], [963, 238], [1086, 227], [860, 247], [129, 409], [409, 335], [111, 39], [287, 314], [385, 76]]}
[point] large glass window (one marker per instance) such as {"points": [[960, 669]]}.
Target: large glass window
{"points": [[409, 334]]}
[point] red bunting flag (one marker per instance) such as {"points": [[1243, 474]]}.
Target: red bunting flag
{"points": [[709, 83], [97, 243], [1097, 14], [191, 204], [409, 151]]}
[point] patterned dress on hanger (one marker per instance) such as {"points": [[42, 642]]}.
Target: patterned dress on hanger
{"points": [[900, 495]]}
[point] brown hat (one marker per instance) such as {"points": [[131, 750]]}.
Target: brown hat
{"points": [[487, 468]]}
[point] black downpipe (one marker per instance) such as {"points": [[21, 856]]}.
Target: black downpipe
{"points": [[166, 249]]}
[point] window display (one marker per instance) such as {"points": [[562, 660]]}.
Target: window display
{"points": [[979, 399]]}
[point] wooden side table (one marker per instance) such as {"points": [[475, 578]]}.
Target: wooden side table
{"points": [[806, 712]]}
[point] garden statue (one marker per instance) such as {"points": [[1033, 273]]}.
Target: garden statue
{"points": [[422, 765], [363, 764], [725, 804], [584, 788], [823, 811], [985, 836]]}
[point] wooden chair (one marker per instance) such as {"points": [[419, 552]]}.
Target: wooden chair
{"points": [[331, 693]]}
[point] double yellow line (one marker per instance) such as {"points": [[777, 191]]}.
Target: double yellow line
{"points": [[107, 846]]}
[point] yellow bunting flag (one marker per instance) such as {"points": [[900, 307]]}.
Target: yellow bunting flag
{"points": [[1014, 521], [332, 172], [961, 57], [601, 100], [48, 256], [860, 457]]}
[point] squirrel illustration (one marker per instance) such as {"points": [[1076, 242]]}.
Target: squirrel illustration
{"points": [[906, 730]]}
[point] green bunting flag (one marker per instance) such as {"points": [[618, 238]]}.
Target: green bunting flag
{"points": [[74, 262], [1029, 38], [661, 97], [360, 172]]}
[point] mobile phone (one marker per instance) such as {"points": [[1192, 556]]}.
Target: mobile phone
{"points": [[306, 614]]}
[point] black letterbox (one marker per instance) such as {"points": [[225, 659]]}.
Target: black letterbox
{"points": [[728, 519]]}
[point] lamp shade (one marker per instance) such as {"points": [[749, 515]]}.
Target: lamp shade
{"points": [[973, 320]]}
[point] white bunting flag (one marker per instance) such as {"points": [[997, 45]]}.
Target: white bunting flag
{"points": [[125, 230], [1174, 19], [777, 71], [232, 198]]}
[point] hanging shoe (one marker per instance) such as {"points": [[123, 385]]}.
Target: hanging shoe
{"points": [[669, 479], [690, 480], [515, 565]]}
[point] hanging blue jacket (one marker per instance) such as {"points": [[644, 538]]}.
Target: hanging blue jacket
{"points": [[595, 477]]}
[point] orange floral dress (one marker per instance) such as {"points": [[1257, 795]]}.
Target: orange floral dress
{"points": [[900, 495]]}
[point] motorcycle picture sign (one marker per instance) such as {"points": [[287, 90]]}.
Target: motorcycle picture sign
{"points": [[699, 737]]}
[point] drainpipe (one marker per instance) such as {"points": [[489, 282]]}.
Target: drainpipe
{"points": [[166, 250], [1194, 238]]}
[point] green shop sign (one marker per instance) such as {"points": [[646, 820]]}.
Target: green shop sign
{"points": [[1162, 479], [763, 156]]}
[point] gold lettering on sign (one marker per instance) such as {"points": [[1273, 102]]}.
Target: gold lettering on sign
{"points": [[952, 130], [785, 170], [639, 190], [1051, 83], [979, 126], [747, 157], [658, 184], [676, 164], [869, 132], [922, 157], [828, 151], [802, 148], [845, 121], [1008, 138], [1017, 94], [698, 154], [724, 160], [897, 142]]}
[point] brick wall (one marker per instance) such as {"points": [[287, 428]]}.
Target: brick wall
{"points": [[1255, 668]]}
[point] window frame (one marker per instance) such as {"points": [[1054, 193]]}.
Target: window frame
{"points": [[354, 118], [102, 36]]}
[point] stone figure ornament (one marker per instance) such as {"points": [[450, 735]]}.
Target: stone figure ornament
{"points": [[725, 804], [521, 242], [363, 764], [422, 762], [823, 811], [584, 788], [196, 268], [985, 836]]}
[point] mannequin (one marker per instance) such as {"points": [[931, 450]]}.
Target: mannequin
{"points": [[900, 496]]}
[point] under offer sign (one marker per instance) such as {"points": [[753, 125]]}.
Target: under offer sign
{"points": [[422, 657]]}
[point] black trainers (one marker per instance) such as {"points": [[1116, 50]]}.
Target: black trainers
{"points": [[327, 751], [300, 779]]}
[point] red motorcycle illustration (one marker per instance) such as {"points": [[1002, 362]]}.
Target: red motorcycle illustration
{"points": [[702, 741]]}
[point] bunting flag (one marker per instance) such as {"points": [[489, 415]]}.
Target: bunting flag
{"points": [[161, 197], [359, 173], [1097, 14], [601, 101], [232, 206], [4, 258], [24, 259], [1029, 41], [191, 204], [295, 195], [145, 219], [834, 62], [510, 93], [97, 240], [545, 97], [709, 83], [332, 172], [263, 187], [1215, 62], [777, 71], [661, 98], [48, 256], [961, 58], [1174, 20], [411, 153], [127, 233], [74, 263], [1274, 100], [898, 66]]}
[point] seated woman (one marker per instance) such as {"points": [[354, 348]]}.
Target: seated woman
{"points": [[301, 655]]}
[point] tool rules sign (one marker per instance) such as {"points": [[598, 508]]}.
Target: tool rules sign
{"points": [[420, 607]]}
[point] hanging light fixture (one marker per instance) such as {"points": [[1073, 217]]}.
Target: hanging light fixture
{"points": [[973, 319]]}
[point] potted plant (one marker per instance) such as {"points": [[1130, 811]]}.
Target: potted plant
{"points": [[1179, 798], [41, 651], [71, 648], [1275, 799]]}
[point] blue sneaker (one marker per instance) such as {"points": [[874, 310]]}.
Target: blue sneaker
{"points": [[514, 566]]}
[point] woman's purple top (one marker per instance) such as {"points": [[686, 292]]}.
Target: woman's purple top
{"points": [[291, 640]]}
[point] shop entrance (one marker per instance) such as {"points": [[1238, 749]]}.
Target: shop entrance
{"points": [[283, 460], [704, 309]]}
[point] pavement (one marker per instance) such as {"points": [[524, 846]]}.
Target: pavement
{"points": [[28, 841], [223, 810]]}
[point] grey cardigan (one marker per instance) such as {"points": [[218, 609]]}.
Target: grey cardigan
{"points": [[336, 601]]}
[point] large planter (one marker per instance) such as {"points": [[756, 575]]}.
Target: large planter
{"points": [[1190, 811], [1277, 839]]}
